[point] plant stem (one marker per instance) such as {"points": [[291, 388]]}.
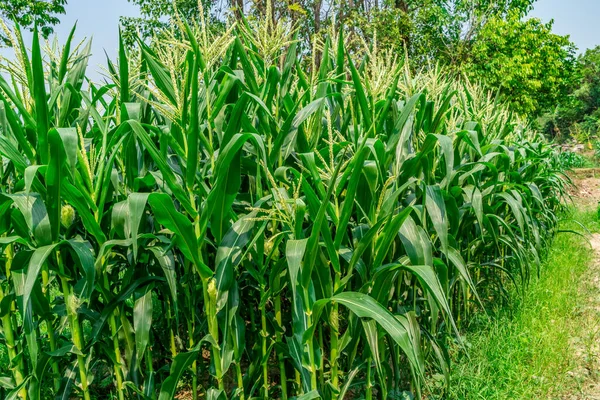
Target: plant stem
{"points": [[311, 345], [195, 363], [313, 368], [334, 331], [279, 337], [49, 327], [11, 346], [130, 341], [117, 366], [265, 358], [369, 390], [321, 375], [213, 327], [149, 368], [333, 355], [240, 380], [7, 327], [114, 332], [76, 333], [172, 345]]}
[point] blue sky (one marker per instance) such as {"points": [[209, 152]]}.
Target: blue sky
{"points": [[577, 18], [100, 19], [96, 19]]}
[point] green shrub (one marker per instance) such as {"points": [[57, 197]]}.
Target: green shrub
{"points": [[571, 159]]}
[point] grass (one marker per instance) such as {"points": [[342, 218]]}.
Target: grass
{"points": [[525, 351]]}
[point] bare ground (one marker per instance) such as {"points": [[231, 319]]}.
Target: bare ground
{"points": [[586, 192]]}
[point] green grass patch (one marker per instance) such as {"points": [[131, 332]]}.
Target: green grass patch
{"points": [[524, 351]]}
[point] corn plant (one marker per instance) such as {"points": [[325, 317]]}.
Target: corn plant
{"points": [[227, 217]]}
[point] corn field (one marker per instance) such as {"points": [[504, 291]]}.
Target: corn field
{"points": [[233, 216]]}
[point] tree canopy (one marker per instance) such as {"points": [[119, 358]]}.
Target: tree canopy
{"points": [[27, 13], [525, 61], [156, 15], [579, 112]]}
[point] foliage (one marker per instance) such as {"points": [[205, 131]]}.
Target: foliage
{"points": [[530, 65], [28, 13], [158, 15], [221, 217], [597, 150], [579, 111], [571, 159], [443, 32], [424, 30]]}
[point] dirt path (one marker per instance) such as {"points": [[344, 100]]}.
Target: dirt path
{"points": [[586, 192], [586, 344]]}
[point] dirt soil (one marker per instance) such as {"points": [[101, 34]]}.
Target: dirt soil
{"points": [[586, 192]]}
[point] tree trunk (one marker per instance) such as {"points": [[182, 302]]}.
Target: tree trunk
{"points": [[238, 9], [261, 7], [317, 12], [402, 5], [292, 14]]}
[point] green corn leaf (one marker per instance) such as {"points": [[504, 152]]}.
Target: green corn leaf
{"points": [[361, 96], [136, 203], [8, 149], [436, 208], [457, 260], [64, 60], [82, 206], [165, 169], [388, 235], [179, 365], [39, 95], [416, 243], [365, 307], [159, 73], [15, 127], [85, 261], [194, 129], [168, 216], [445, 143], [62, 158], [123, 70], [125, 293], [229, 254], [36, 216], [167, 264], [9, 94], [370, 328], [37, 260], [142, 321]]}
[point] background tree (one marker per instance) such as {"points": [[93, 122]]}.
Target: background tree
{"points": [[156, 15], [491, 41], [524, 61], [432, 31], [28, 13], [579, 112]]}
